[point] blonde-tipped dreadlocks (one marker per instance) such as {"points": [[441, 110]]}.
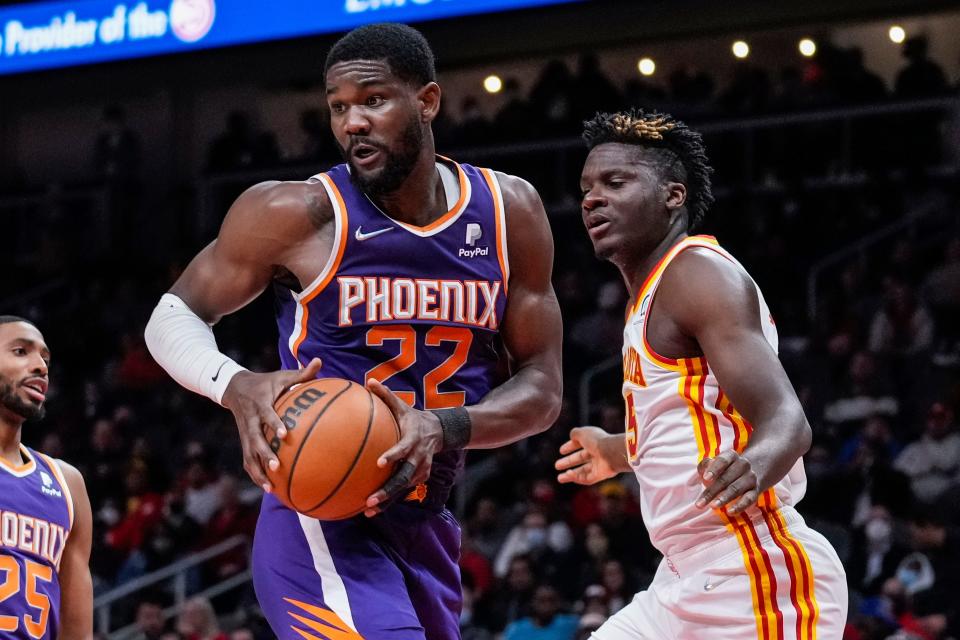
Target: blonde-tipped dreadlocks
{"points": [[679, 151]]}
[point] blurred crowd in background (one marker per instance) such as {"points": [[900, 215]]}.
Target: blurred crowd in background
{"points": [[872, 346]]}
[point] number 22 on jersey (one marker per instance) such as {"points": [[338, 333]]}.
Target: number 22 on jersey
{"points": [[406, 336]]}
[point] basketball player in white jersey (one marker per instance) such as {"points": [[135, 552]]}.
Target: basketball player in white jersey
{"points": [[714, 430]]}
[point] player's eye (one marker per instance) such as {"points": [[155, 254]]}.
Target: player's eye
{"points": [[337, 107], [375, 101], [20, 351]]}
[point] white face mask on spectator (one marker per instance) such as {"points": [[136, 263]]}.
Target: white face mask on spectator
{"points": [[536, 537], [878, 532]]}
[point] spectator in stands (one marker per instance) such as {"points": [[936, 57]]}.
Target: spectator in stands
{"points": [[116, 155], [198, 621], [174, 535], [317, 142], [144, 509], [933, 462], [149, 621], [922, 77], [469, 630], [865, 392], [876, 553], [592, 90], [510, 600], [545, 621], [474, 128], [231, 519], [551, 100], [941, 289], [600, 333], [202, 495], [515, 119], [902, 328], [241, 146], [488, 527], [535, 537]]}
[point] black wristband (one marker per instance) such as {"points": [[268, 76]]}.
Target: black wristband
{"points": [[456, 427]]}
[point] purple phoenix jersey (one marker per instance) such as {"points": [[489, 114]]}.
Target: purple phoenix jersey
{"points": [[418, 308], [36, 514]]}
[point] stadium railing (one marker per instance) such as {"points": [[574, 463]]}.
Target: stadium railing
{"points": [[177, 578]]}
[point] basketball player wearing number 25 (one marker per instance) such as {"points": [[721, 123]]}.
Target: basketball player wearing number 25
{"points": [[714, 430], [46, 591], [402, 270]]}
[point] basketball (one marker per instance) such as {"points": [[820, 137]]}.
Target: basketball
{"points": [[336, 430]]}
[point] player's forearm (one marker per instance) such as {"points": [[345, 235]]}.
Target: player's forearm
{"points": [[526, 404], [76, 607], [777, 443]]}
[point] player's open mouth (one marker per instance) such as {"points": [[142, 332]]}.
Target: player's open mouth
{"points": [[36, 389], [364, 155]]}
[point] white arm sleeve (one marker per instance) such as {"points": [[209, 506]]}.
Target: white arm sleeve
{"points": [[183, 344]]}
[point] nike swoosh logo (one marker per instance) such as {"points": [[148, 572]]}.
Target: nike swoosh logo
{"points": [[217, 374], [361, 236], [710, 586]]}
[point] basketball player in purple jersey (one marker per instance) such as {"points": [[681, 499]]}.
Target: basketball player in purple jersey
{"points": [[45, 523], [399, 269]]}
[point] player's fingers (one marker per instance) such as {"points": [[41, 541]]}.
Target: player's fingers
{"points": [[394, 484], [569, 447], [718, 465], [749, 498], [306, 374], [251, 458], [395, 404], [737, 480], [270, 419], [399, 451], [575, 459]]}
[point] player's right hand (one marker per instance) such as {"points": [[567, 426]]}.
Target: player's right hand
{"points": [[590, 456], [250, 396]]}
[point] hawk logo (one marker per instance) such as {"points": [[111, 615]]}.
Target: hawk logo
{"points": [[47, 487]]}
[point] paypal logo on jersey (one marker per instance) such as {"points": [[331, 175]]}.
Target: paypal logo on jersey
{"points": [[47, 487], [474, 233]]}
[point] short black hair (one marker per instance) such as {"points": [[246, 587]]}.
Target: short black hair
{"points": [[8, 318], [403, 48], [681, 155]]}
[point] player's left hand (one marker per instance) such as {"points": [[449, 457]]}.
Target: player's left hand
{"points": [[420, 438], [729, 479]]}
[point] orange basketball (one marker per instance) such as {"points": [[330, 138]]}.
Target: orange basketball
{"points": [[336, 430]]}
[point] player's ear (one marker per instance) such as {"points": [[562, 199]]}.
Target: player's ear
{"points": [[676, 194], [428, 101]]}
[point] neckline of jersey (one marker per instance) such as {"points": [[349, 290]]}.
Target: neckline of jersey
{"points": [[447, 218]]}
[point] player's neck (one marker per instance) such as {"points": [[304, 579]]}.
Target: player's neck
{"points": [[10, 440], [635, 272], [420, 199]]}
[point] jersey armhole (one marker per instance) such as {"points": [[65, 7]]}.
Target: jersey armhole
{"points": [[674, 364], [58, 473], [500, 221], [341, 223]]}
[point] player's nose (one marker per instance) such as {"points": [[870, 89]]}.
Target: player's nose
{"points": [[356, 124], [39, 366], [591, 201]]}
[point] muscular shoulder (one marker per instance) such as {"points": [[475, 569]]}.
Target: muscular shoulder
{"points": [[701, 285], [529, 240], [72, 477], [520, 198], [289, 208]]}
